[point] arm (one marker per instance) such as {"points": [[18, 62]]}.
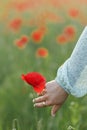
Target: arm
{"points": [[71, 78], [72, 75]]}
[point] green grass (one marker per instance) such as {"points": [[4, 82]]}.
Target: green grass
{"points": [[16, 96]]}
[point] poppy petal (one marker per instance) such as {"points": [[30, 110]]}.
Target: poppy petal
{"points": [[36, 80]]}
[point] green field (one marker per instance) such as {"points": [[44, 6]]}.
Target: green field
{"points": [[43, 24]]}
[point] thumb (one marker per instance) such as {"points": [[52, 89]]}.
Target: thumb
{"points": [[54, 109]]}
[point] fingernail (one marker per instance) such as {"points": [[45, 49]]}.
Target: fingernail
{"points": [[33, 100], [34, 105], [53, 115]]}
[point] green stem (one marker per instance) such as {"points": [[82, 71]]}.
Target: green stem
{"points": [[15, 124]]}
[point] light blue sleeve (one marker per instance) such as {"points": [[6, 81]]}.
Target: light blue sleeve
{"points": [[72, 75]]}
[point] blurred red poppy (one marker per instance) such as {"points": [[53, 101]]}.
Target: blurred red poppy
{"points": [[36, 80], [23, 5], [42, 52], [15, 24], [22, 41], [69, 31], [74, 12], [62, 39], [37, 36], [43, 29]]}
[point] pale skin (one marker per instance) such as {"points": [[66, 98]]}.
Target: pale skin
{"points": [[53, 95]]}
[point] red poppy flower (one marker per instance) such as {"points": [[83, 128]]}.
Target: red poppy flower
{"points": [[36, 80], [69, 31], [24, 39], [37, 35], [15, 24], [21, 42], [74, 12], [42, 52], [43, 29], [23, 5], [62, 39]]}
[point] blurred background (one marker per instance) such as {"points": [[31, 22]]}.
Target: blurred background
{"points": [[38, 35]]}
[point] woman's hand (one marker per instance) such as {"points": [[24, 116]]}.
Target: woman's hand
{"points": [[53, 95]]}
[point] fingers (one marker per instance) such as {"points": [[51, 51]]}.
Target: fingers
{"points": [[43, 92], [40, 99], [40, 104], [54, 109]]}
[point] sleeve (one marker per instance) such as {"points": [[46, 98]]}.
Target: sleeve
{"points": [[72, 75]]}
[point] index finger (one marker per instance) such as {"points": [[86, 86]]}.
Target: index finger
{"points": [[40, 99]]}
